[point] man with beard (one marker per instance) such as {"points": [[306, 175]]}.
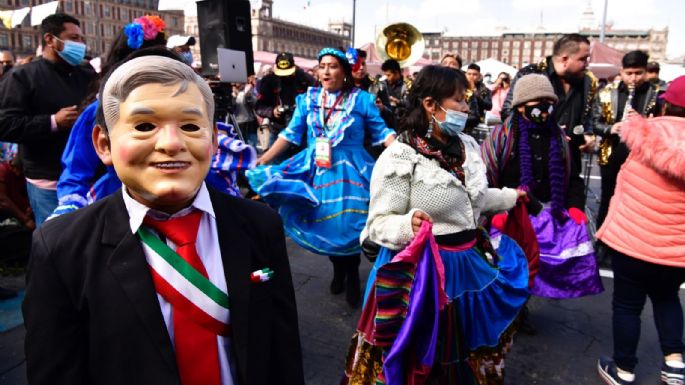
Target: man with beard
{"points": [[574, 86]]}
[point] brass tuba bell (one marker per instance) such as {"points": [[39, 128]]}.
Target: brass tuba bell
{"points": [[402, 42]]}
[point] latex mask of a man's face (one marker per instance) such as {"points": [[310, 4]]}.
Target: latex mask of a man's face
{"points": [[162, 145]]}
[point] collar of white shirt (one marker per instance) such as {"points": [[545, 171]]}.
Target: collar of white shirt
{"points": [[137, 211]]}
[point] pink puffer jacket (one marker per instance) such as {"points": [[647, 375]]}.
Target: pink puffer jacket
{"points": [[646, 217]]}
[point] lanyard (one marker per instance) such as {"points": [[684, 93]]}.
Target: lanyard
{"points": [[323, 107]]}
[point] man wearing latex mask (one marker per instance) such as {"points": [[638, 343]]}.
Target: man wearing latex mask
{"points": [[166, 281], [39, 107]]}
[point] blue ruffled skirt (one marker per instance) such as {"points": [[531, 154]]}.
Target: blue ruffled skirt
{"points": [[488, 297], [323, 210]]}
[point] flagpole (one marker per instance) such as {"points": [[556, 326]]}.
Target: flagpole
{"points": [[354, 17], [602, 30]]}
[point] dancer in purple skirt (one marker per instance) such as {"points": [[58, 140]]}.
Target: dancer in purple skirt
{"points": [[529, 151]]}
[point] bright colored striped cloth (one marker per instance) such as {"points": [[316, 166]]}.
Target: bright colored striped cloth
{"points": [[500, 145]]}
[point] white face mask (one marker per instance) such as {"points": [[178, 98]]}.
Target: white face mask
{"points": [[454, 123]]}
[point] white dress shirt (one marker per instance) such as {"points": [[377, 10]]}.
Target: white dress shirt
{"points": [[207, 245]]}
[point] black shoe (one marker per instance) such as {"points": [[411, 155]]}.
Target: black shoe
{"points": [[609, 372], [7, 293], [672, 376]]}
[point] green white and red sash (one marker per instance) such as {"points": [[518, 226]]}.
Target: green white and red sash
{"points": [[186, 289]]}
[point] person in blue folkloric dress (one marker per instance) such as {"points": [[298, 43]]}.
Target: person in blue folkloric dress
{"points": [[322, 192]]}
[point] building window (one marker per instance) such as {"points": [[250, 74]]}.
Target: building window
{"points": [[174, 21], [4, 40], [68, 6], [25, 2], [88, 9], [517, 44], [526, 44], [106, 11], [538, 44], [485, 44], [27, 41]]}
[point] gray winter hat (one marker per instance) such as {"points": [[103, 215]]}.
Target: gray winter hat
{"points": [[532, 87]]}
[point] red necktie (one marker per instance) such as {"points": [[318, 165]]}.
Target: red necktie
{"points": [[196, 347]]}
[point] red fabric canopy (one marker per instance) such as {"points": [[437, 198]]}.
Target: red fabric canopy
{"points": [[604, 60]]}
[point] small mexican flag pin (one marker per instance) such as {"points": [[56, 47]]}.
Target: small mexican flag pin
{"points": [[262, 275]]}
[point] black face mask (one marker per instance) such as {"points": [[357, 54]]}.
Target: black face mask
{"points": [[6, 68], [536, 112]]}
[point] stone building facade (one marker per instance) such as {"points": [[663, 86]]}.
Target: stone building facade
{"points": [[101, 20], [275, 35], [519, 49]]}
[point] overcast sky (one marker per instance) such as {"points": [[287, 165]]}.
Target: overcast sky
{"points": [[477, 17]]}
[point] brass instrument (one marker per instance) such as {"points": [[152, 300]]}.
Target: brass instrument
{"points": [[402, 42], [469, 94], [607, 143]]}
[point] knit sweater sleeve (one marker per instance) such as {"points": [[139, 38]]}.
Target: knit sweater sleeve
{"points": [[389, 220]]}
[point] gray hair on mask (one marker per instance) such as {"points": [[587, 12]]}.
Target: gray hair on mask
{"points": [[149, 70]]}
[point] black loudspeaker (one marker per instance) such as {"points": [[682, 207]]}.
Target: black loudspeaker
{"points": [[224, 24]]}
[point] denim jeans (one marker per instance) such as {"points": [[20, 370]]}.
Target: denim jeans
{"points": [[634, 281], [43, 202]]}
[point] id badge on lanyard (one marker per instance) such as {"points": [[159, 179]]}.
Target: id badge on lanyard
{"points": [[322, 157]]}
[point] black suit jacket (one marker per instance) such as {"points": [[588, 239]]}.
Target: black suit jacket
{"points": [[92, 314]]}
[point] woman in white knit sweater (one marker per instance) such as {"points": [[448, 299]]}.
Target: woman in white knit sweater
{"points": [[434, 172]]}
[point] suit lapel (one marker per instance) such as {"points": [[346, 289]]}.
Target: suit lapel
{"points": [[128, 265], [236, 254]]}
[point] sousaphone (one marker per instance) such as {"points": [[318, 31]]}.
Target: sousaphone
{"points": [[402, 42]]}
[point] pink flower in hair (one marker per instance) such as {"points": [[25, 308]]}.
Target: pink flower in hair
{"points": [[151, 26]]}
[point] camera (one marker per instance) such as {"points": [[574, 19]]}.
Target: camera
{"points": [[285, 110]]}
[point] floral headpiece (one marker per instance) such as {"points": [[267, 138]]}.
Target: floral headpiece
{"points": [[353, 58], [143, 28]]}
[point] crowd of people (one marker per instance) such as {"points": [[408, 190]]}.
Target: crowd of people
{"points": [[159, 225]]}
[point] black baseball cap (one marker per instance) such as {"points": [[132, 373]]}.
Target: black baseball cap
{"points": [[285, 64]]}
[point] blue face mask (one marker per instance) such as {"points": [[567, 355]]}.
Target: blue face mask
{"points": [[454, 123], [73, 52], [187, 57]]}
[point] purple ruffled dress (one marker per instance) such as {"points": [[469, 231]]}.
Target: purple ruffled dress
{"points": [[568, 267]]}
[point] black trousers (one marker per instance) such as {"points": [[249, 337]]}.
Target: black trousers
{"points": [[634, 281]]}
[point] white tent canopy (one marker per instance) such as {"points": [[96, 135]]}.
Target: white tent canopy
{"points": [[494, 67], [668, 72]]}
